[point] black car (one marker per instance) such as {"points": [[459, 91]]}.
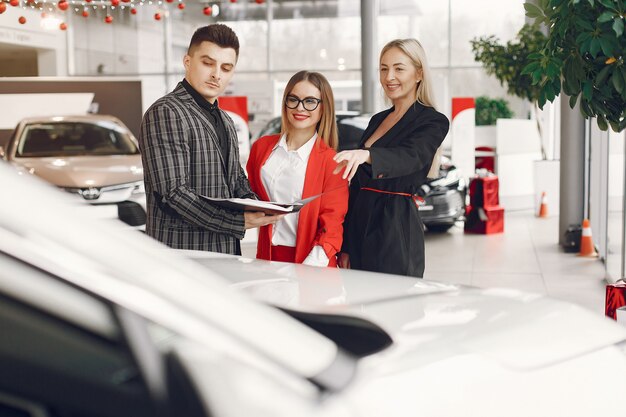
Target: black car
{"points": [[441, 200]]}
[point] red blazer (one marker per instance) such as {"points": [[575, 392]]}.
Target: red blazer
{"points": [[321, 221]]}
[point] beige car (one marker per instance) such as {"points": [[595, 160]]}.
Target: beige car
{"points": [[92, 156]]}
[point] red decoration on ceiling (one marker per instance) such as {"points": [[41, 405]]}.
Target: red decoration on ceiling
{"points": [[63, 26], [64, 5], [259, 1]]}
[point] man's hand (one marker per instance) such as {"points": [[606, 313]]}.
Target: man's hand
{"points": [[351, 161], [343, 260], [258, 218]]}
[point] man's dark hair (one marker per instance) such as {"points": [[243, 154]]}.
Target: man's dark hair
{"points": [[219, 34]]}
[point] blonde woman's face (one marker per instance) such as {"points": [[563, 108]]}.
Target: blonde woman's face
{"points": [[398, 75], [303, 106]]}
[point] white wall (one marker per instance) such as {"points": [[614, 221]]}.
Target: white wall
{"points": [[51, 44]]}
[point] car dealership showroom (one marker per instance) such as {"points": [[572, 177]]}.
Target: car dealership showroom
{"points": [[324, 208]]}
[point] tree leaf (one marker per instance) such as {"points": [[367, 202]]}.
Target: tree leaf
{"points": [[583, 37], [552, 70], [585, 46], [614, 126], [594, 47], [618, 27], [618, 81], [584, 108], [605, 44], [606, 16], [609, 4], [584, 24], [602, 124], [572, 101], [587, 90], [530, 68], [602, 75], [591, 3], [534, 56], [579, 69], [532, 11]]}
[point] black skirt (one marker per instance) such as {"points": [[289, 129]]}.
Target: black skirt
{"points": [[386, 235]]}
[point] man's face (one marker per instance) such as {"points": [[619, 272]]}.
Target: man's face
{"points": [[209, 69]]}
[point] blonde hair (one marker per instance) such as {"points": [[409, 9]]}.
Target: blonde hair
{"points": [[414, 50], [423, 91], [327, 126]]}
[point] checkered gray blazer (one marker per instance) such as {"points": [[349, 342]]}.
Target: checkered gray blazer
{"points": [[182, 160]]}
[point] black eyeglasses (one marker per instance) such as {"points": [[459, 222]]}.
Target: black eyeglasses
{"points": [[309, 103]]}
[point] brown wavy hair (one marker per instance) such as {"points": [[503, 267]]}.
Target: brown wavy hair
{"points": [[327, 126]]}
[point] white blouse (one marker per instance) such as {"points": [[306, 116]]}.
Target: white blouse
{"points": [[283, 177]]}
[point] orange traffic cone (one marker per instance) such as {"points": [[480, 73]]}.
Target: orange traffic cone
{"points": [[543, 208], [586, 243]]}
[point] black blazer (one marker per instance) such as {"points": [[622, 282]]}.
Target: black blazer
{"points": [[383, 230]]}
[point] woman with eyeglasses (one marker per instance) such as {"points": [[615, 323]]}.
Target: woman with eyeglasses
{"points": [[383, 229], [296, 164]]}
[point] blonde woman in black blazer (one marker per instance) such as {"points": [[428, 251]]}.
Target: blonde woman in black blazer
{"points": [[383, 229]]}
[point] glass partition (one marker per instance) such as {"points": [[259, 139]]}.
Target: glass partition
{"points": [[615, 226]]}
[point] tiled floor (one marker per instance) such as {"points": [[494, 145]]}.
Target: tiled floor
{"points": [[526, 257]]}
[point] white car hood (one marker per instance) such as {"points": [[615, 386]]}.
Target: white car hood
{"points": [[427, 319]]}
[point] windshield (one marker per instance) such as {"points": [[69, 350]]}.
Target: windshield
{"points": [[74, 138]]}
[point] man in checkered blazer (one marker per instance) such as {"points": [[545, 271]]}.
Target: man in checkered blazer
{"points": [[189, 148]]}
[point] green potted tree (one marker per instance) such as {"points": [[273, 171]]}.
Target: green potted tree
{"points": [[488, 110], [507, 61], [583, 56], [523, 176]]}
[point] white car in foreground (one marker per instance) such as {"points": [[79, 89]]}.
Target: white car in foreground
{"points": [[102, 321]]}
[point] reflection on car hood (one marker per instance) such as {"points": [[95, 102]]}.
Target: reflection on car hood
{"points": [[86, 171], [428, 319]]}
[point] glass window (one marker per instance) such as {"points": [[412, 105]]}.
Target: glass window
{"points": [[304, 44], [615, 220], [252, 45], [502, 19]]}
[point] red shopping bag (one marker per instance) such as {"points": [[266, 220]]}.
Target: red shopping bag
{"points": [[615, 298]]}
